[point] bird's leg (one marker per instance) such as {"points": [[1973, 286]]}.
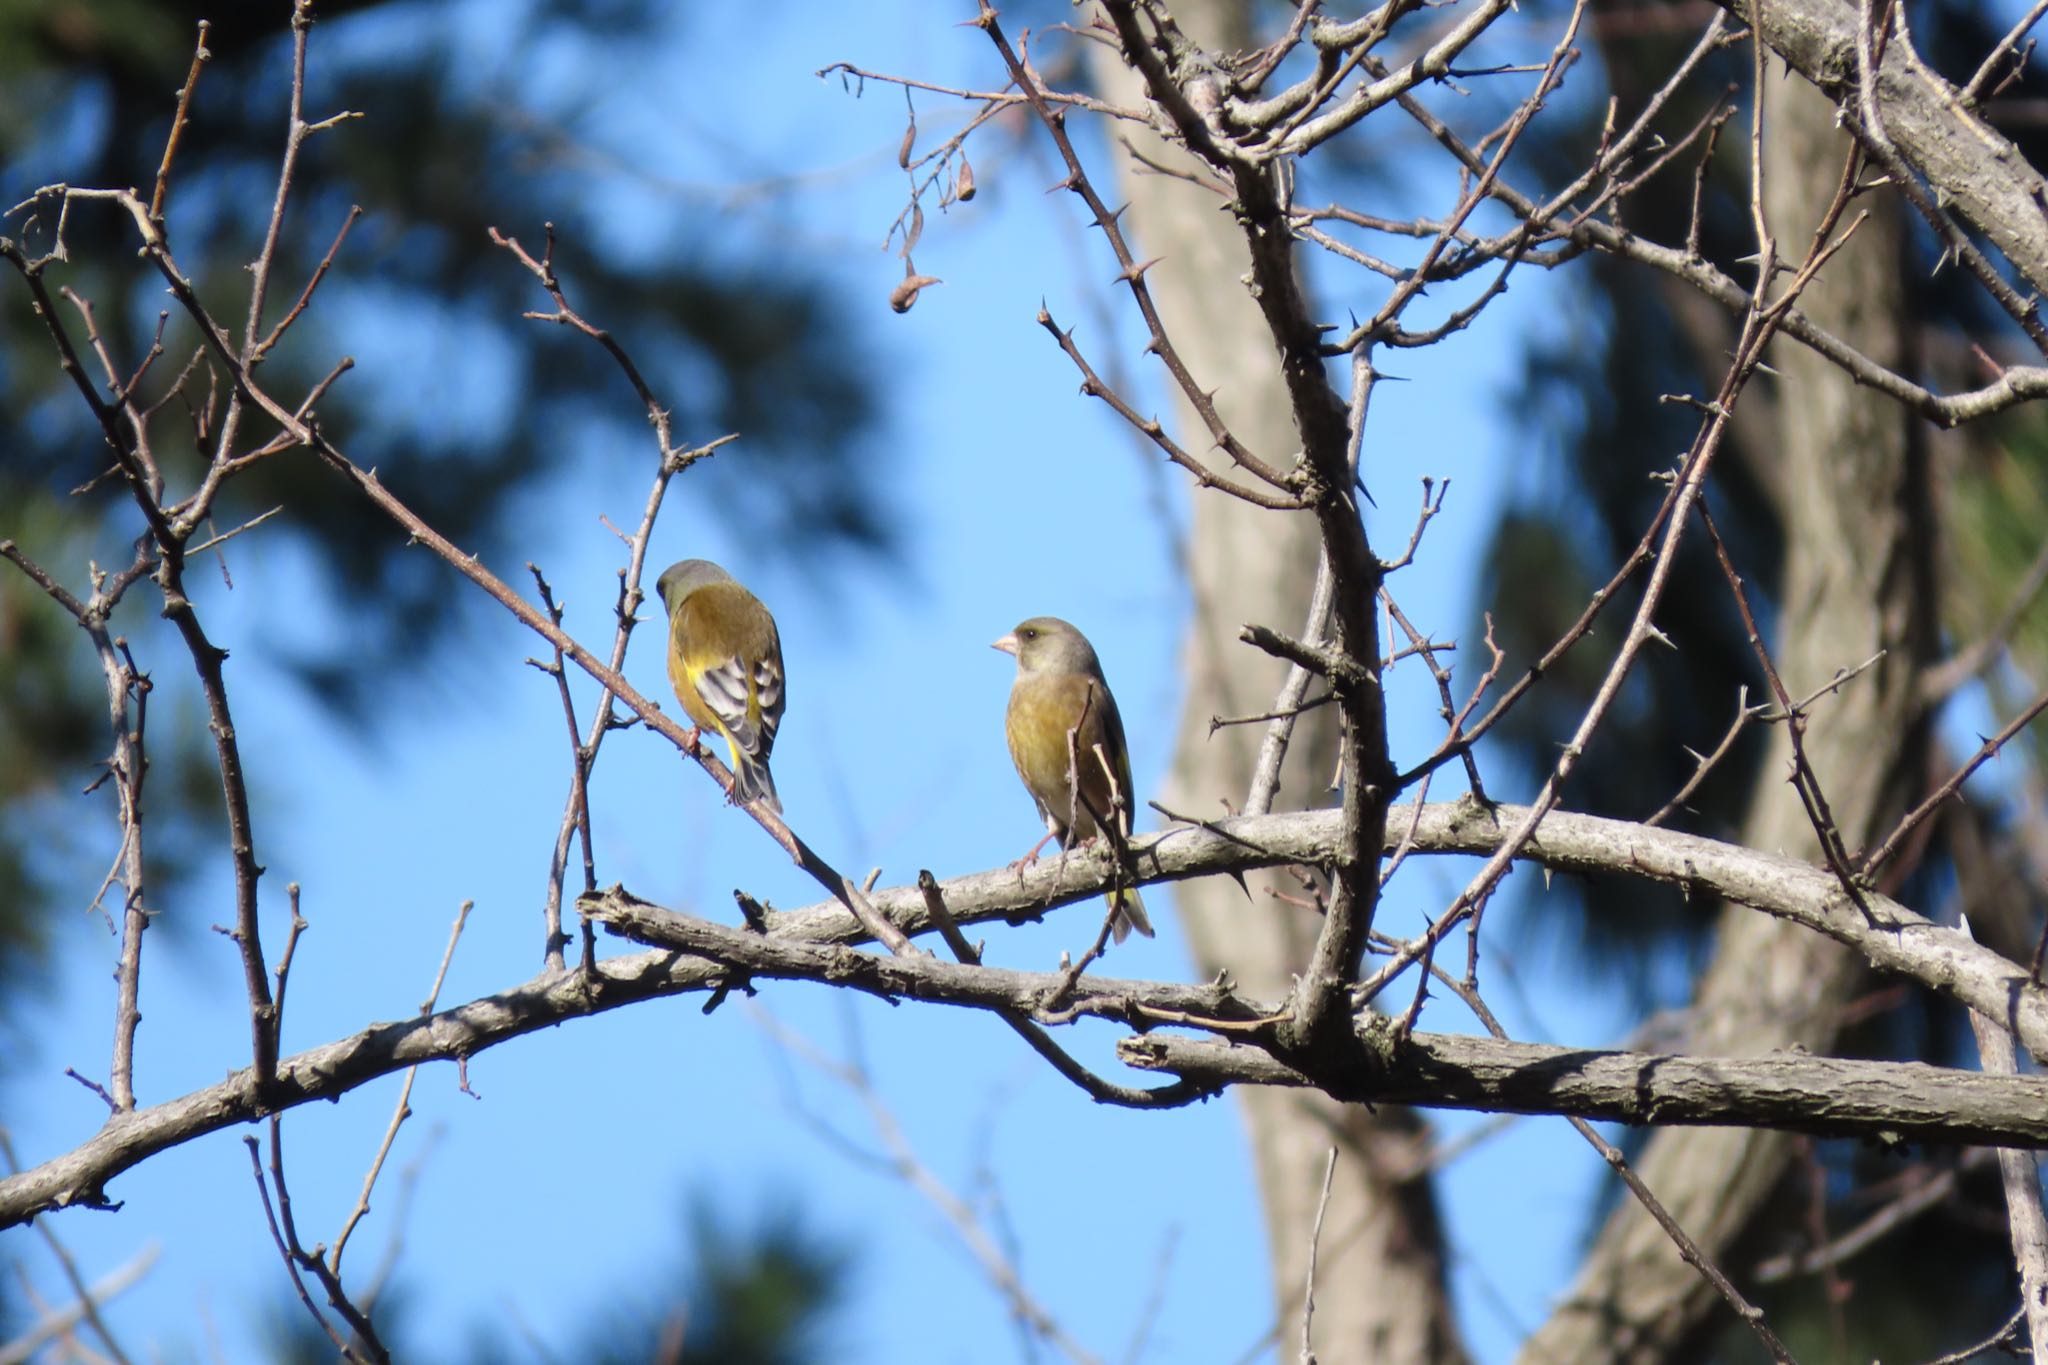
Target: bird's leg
{"points": [[1028, 859]]}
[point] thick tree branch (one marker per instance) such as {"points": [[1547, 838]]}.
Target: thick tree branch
{"points": [[1889, 1102], [813, 942], [1973, 168]]}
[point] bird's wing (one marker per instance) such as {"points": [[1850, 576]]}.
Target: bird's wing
{"points": [[750, 714], [768, 700], [1104, 757], [744, 694]]}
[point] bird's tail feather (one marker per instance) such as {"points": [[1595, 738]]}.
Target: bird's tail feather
{"points": [[1130, 914], [752, 781]]}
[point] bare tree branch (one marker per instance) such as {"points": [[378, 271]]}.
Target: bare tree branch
{"points": [[1969, 163]]}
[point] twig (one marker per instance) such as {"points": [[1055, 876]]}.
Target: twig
{"points": [[291, 1263], [875, 922], [1985, 752], [1944, 679], [129, 766], [1168, 1096], [1403, 293], [113, 1106], [1223, 722], [88, 1301], [249, 525], [2008, 1335], [1805, 781], [56, 1325], [1460, 740], [254, 349], [1446, 707], [2015, 385], [291, 946], [1133, 272], [1689, 1251], [901, 1160], [1277, 52], [263, 347], [178, 120], [402, 1110], [1315, 1237], [2006, 46], [576, 816], [1428, 513], [1929, 1194], [1155, 431], [1704, 764], [1766, 315], [1265, 783], [367, 482]]}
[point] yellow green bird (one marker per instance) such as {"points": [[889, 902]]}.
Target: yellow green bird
{"points": [[725, 663], [1060, 711]]}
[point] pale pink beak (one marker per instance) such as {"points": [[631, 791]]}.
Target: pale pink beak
{"points": [[1008, 644]]}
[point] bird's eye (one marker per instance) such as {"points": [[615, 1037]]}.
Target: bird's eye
{"points": [[1028, 634]]}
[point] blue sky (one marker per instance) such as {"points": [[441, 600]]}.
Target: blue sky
{"points": [[539, 1198]]}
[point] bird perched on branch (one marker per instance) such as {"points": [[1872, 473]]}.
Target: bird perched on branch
{"points": [[725, 663], [1068, 744]]}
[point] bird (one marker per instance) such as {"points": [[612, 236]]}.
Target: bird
{"points": [[1061, 710], [725, 663]]}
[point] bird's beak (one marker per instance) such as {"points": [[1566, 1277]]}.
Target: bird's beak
{"points": [[1008, 644]]}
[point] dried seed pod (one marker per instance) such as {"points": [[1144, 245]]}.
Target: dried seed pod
{"points": [[963, 185], [915, 232], [904, 295]]}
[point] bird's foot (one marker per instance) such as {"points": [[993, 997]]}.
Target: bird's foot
{"points": [[1032, 857]]}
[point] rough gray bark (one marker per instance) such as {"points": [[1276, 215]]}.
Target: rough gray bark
{"points": [[1380, 1279], [1852, 490], [1879, 1101]]}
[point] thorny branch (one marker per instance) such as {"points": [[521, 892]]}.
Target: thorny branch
{"points": [[817, 943], [1054, 117]]}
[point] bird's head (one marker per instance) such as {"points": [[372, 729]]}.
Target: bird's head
{"points": [[684, 577], [1046, 644]]}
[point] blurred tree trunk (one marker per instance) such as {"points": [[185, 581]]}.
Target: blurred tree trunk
{"points": [[1853, 500], [1380, 1291]]}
